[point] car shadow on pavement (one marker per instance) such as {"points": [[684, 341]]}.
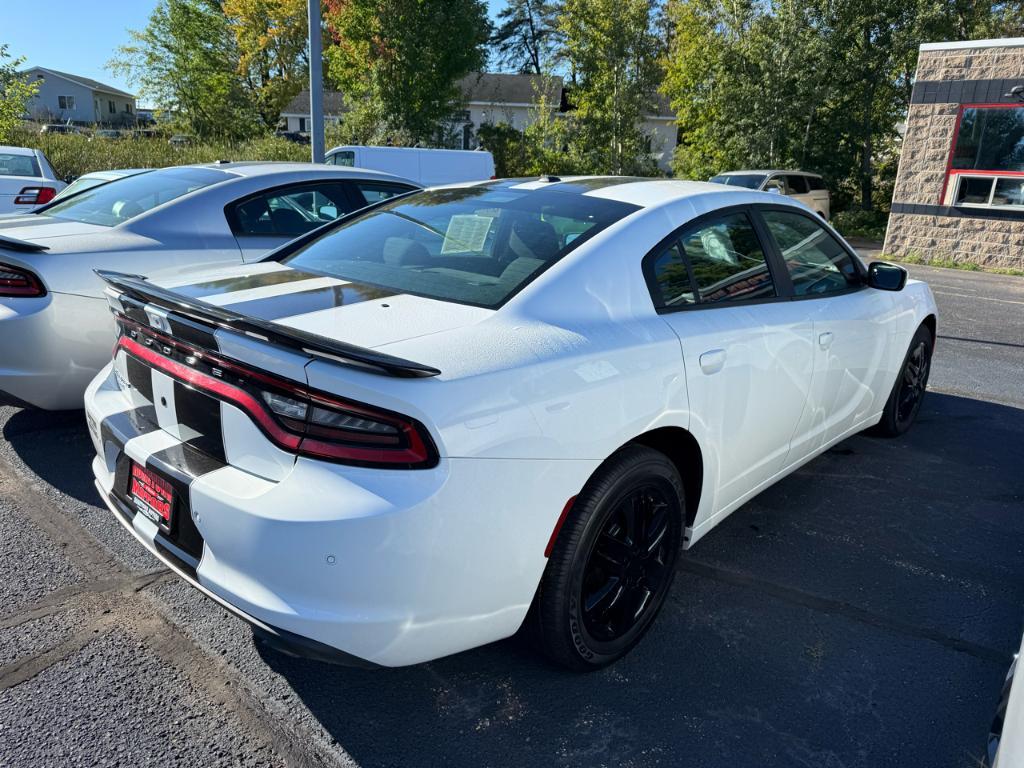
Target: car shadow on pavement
{"points": [[56, 446], [861, 612]]}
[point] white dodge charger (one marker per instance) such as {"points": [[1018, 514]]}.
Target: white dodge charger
{"points": [[55, 329], [404, 435]]}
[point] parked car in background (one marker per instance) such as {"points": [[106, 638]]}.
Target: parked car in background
{"points": [[108, 133], [55, 330], [293, 136], [808, 188], [180, 140], [61, 128], [94, 179], [427, 167], [405, 434], [26, 180]]}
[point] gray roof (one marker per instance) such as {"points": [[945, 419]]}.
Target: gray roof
{"points": [[334, 104], [493, 88], [88, 82]]}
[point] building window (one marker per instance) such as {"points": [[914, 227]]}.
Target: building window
{"points": [[986, 163], [128, 107], [66, 102], [112, 107], [302, 125]]}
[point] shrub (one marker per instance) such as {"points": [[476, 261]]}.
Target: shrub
{"points": [[72, 155], [859, 223]]}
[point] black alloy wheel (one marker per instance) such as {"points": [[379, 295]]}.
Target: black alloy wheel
{"points": [[613, 562], [907, 394]]}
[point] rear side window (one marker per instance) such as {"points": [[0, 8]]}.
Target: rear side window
{"points": [[373, 192], [291, 211], [816, 262], [345, 158], [722, 260], [815, 183], [797, 184]]}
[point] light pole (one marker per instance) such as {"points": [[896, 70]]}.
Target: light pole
{"points": [[316, 84]]}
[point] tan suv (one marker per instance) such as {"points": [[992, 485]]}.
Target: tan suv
{"points": [[808, 188]]}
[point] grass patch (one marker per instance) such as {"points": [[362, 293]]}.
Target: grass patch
{"points": [[947, 263]]}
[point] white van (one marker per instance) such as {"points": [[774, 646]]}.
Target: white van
{"points": [[428, 167]]}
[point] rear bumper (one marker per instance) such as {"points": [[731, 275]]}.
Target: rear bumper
{"points": [[280, 639], [51, 347], [390, 567]]}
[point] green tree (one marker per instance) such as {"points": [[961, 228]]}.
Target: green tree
{"points": [[15, 93], [187, 60], [526, 38], [398, 61], [613, 49], [271, 36]]}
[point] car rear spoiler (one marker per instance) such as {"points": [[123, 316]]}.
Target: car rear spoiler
{"points": [[140, 289], [14, 244]]}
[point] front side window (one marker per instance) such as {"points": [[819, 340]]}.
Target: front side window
{"points": [[473, 245], [797, 184], [345, 158], [119, 201], [816, 262], [292, 211]]}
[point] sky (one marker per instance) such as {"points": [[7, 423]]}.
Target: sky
{"points": [[81, 36]]}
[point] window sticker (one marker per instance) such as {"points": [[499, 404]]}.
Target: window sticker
{"points": [[466, 233]]}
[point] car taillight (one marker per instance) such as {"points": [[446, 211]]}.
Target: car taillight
{"points": [[19, 282], [295, 418], [35, 195]]}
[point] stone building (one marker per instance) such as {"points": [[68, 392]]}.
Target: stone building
{"points": [[960, 186]]}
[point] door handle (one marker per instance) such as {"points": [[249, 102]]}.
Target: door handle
{"points": [[712, 361], [825, 339]]}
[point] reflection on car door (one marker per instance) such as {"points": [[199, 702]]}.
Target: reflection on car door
{"points": [[853, 325], [748, 354], [270, 219]]}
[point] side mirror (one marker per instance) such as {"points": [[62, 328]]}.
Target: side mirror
{"points": [[886, 277]]}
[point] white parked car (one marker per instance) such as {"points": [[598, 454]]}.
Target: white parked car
{"points": [[26, 179], [55, 330], [808, 188], [427, 167], [95, 179], [402, 435]]}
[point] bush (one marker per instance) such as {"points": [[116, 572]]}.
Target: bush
{"points": [[72, 155], [859, 223]]}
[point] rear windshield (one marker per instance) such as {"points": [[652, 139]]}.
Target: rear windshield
{"points": [[471, 245], [748, 180], [18, 165], [123, 199]]}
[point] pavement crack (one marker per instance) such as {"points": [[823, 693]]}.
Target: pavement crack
{"points": [[840, 608]]}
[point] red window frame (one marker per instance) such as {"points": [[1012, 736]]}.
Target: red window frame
{"points": [[950, 170]]}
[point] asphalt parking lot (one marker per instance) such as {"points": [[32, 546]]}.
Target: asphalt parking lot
{"points": [[860, 613]]}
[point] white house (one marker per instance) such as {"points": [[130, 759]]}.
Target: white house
{"points": [[489, 99], [67, 98], [295, 116]]}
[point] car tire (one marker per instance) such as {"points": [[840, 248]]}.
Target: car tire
{"points": [[904, 401], [613, 562]]}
